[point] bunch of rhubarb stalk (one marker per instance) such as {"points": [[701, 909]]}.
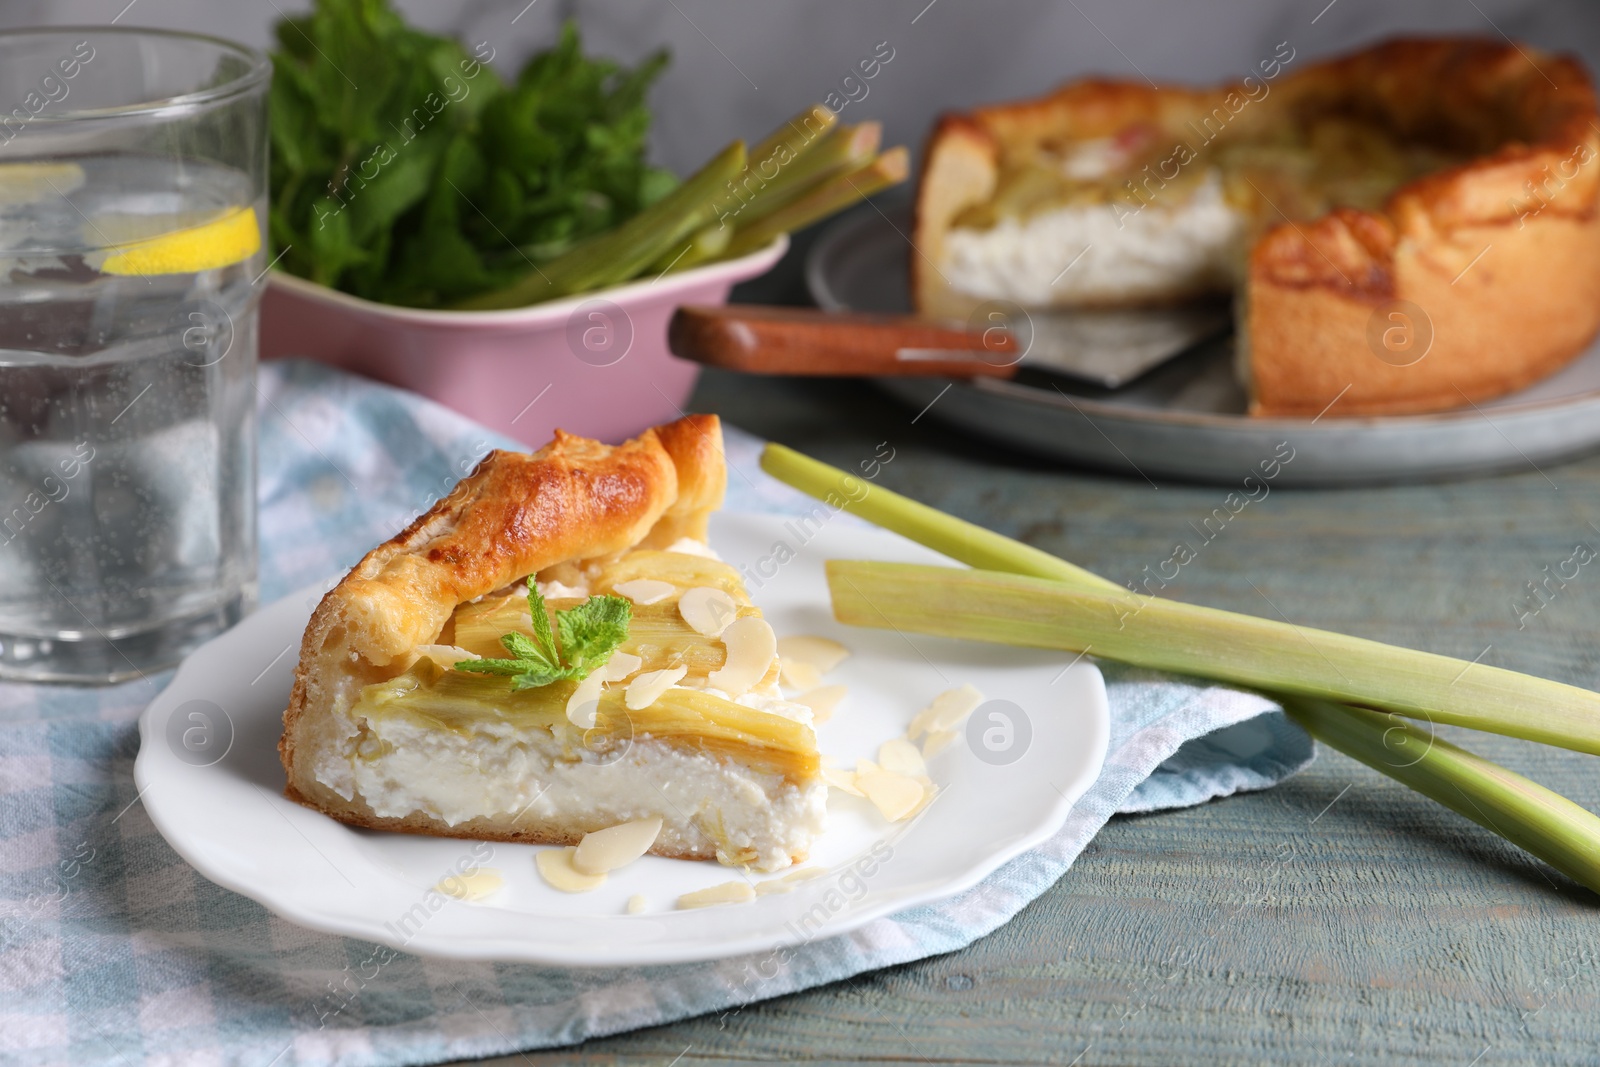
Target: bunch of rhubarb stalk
{"points": [[804, 171], [1374, 702]]}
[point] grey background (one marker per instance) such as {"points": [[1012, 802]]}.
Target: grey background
{"points": [[741, 67]]}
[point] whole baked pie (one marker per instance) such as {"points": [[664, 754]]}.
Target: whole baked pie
{"points": [[552, 650], [1409, 228]]}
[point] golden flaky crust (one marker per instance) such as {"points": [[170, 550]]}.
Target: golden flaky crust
{"points": [[1501, 254], [514, 515]]}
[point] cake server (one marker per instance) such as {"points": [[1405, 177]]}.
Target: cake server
{"points": [[1107, 348]]}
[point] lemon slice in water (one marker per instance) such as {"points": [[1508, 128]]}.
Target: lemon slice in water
{"points": [[228, 239], [30, 183]]}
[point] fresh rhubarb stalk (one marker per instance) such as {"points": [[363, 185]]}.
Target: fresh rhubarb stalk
{"points": [[839, 151], [828, 198], [619, 254], [1503, 802], [764, 162], [1264, 654]]}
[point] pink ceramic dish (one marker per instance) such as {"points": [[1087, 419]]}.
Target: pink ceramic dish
{"points": [[595, 364]]}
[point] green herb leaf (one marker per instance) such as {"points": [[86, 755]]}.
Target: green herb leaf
{"points": [[492, 666], [435, 180], [544, 640], [590, 633], [522, 647]]}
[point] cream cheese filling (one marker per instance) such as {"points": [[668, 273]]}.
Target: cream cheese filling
{"points": [[534, 777], [1178, 243]]}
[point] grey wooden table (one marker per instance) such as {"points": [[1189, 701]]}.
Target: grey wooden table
{"points": [[1392, 930]]}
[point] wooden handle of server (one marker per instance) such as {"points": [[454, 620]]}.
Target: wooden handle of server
{"points": [[782, 340]]}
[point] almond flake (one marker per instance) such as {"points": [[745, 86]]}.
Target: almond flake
{"points": [[751, 646], [936, 742], [555, 867], [617, 846], [707, 609], [446, 656], [946, 711], [899, 756], [474, 883], [789, 881], [645, 590], [692, 546], [619, 667], [894, 795], [554, 590], [726, 893], [822, 701], [583, 706], [647, 688], [637, 904], [842, 780], [823, 653], [798, 674]]}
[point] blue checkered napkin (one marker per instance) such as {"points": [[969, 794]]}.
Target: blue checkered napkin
{"points": [[112, 948]]}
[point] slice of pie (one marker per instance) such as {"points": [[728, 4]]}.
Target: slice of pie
{"points": [[1408, 228], [410, 711]]}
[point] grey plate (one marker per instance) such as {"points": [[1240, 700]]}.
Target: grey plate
{"points": [[1186, 420]]}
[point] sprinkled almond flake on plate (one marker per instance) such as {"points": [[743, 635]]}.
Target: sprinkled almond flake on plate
{"points": [[823, 653], [474, 883], [901, 757], [894, 795], [555, 867], [842, 780], [723, 893], [789, 881], [822, 701], [945, 711], [798, 674], [603, 851]]}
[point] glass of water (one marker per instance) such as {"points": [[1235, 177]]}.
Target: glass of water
{"points": [[133, 184]]}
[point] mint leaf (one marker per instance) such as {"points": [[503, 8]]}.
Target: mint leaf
{"points": [[519, 645], [538, 676], [492, 666], [592, 631], [525, 674], [545, 643]]}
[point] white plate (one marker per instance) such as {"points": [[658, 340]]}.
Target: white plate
{"points": [[219, 801]]}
